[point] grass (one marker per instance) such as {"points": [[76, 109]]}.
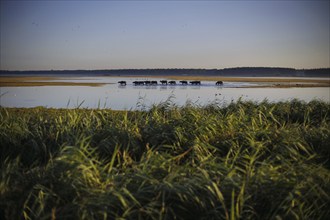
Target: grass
{"points": [[243, 161]]}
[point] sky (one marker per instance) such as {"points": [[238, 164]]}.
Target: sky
{"points": [[69, 35]]}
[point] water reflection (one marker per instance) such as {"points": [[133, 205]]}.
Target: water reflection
{"points": [[144, 87], [129, 97], [195, 87], [163, 88], [183, 87]]}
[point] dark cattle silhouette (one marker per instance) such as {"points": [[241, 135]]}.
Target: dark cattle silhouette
{"points": [[195, 82], [184, 82], [172, 82], [163, 82], [147, 82], [138, 83], [219, 83], [122, 83], [153, 83]]}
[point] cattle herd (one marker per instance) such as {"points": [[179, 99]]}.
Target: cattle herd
{"points": [[165, 82]]}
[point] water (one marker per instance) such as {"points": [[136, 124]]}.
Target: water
{"points": [[133, 97]]}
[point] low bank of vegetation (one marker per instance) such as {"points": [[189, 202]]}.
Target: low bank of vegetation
{"points": [[243, 161], [22, 81]]}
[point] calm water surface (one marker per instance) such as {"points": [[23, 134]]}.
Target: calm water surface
{"points": [[134, 97]]}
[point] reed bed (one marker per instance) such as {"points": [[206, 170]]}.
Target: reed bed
{"points": [[243, 161]]}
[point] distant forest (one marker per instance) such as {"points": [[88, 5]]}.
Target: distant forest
{"points": [[239, 71]]}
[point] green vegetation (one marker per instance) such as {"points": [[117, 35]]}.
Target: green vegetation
{"points": [[243, 161]]}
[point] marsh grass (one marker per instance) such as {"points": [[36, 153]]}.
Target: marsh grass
{"points": [[243, 161]]}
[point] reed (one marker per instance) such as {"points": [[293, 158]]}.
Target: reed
{"points": [[244, 161]]}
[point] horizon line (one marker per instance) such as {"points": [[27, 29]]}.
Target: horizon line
{"points": [[241, 67]]}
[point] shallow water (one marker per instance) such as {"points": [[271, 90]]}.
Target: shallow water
{"points": [[134, 97]]}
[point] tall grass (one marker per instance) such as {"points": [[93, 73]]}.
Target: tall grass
{"points": [[243, 161]]}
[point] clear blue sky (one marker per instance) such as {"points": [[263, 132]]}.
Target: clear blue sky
{"points": [[40, 35]]}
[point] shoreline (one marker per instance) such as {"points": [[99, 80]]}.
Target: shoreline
{"points": [[269, 82], [26, 81]]}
